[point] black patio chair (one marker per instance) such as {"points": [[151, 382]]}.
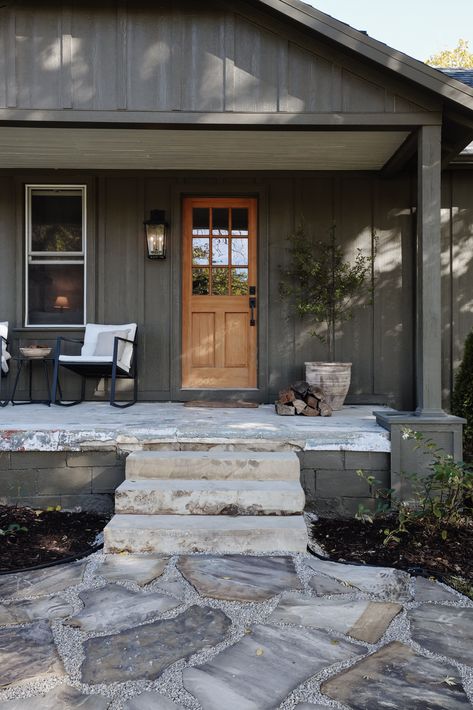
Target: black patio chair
{"points": [[107, 351]]}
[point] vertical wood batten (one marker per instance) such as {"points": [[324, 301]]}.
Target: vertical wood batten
{"points": [[10, 59], [429, 309], [122, 54], [393, 345], [4, 24], [462, 263], [229, 83], [447, 286], [66, 57], [354, 337]]}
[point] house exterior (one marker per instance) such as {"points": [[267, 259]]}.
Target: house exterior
{"points": [[237, 119]]}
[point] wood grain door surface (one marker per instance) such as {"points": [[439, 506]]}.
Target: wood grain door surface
{"points": [[219, 338]]}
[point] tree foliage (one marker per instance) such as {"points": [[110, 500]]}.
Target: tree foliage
{"points": [[458, 58], [322, 285]]}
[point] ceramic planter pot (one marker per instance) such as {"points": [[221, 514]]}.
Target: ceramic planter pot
{"points": [[332, 377]]}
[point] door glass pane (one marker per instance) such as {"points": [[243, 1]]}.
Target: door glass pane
{"points": [[220, 282], [239, 282], [240, 221], [55, 294], [200, 220], [200, 251], [220, 251], [56, 221], [220, 221], [239, 252], [200, 282]]}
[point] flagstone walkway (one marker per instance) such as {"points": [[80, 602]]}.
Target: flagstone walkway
{"points": [[233, 632]]}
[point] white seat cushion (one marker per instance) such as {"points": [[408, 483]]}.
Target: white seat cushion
{"points": [[5, 355], [83, 359]]}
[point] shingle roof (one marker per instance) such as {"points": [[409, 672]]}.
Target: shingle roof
{"points": [[464, 75]]}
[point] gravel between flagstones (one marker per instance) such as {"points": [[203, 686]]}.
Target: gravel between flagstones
{"points": [[69, 641]]}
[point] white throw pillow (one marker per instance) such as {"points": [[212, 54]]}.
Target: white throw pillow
{"points": [[4, 355], [106, 341]]}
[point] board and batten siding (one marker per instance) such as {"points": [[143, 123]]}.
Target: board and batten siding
{"points": [[167, 56], [124, 286]]}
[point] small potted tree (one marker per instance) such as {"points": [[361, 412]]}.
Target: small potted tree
{"points": [[324, 287]]}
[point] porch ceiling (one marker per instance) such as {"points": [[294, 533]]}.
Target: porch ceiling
{"points": [[170, 149]]}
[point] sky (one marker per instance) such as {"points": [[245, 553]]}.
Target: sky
{"points": [[419, 28]]}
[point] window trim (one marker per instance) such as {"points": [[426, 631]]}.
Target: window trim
{"points": [[29, 187]]}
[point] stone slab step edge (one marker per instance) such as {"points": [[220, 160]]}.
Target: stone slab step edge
{"points": [[179, 534], [203, 497], [210, 465]]}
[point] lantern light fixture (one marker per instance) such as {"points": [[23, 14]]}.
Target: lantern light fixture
{"points": [[156, 234]]}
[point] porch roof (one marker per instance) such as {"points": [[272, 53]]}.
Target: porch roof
{"points": [[108, 148]]}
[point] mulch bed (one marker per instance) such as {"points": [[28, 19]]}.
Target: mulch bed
{"points": [[355, 541], [50, 536]]}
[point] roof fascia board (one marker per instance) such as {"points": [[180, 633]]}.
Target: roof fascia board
{"points": [[244, 121], [378, 52]]}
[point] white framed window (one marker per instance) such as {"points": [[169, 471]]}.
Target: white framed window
{"points": [[55, 263]]}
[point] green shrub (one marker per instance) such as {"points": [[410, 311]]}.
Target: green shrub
{"points": [[439, 499], [462, 396]]}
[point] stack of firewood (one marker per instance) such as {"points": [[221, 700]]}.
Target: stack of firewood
{"points": [[302, 398]]}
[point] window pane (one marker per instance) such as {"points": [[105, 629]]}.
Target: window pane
{"points": [[56, 221], [200, 282], [240, 221], [200, 220], [200, 251], [56, 294], [239, 251], [220, 282], [220, 221], [220, 251], [239, 282]]}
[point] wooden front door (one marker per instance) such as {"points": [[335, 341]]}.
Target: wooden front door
{"points": [[219, 294]]}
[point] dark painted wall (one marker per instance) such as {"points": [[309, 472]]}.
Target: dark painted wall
{"points": [[124, 286]]}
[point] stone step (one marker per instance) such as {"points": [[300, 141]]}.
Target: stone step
{"points": [[201, 497], [213, 465], [217, 534]]}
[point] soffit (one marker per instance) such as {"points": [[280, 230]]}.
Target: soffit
{"points": [[89, 148]]}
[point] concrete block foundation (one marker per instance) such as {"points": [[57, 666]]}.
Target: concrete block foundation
{"points": [[85, 480]]}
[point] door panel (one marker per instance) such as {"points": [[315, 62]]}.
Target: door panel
{"points": [[219, 279]]}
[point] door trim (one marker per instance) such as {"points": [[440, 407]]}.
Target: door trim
{"points": [[191, 303]]}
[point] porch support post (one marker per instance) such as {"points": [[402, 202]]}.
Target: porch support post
{"points": [[428, 330], [429, 419]]}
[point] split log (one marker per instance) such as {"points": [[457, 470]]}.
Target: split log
{"points": [[285, 410], [325, 409], [311, 412], [286, 396], [317, 392], [311, 401], [299, 405], [301, 388]]}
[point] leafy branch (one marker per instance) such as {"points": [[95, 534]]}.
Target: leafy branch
{"points": [[322, 285]]}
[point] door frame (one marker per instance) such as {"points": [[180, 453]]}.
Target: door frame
{"points": [[209, 187]]}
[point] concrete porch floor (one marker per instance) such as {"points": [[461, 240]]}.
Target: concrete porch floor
{"points": [[93, 425]]}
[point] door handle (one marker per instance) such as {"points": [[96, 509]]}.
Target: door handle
{"points": [[252, 307]]}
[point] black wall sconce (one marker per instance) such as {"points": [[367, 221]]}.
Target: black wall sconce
{"points": [[156, 230]]}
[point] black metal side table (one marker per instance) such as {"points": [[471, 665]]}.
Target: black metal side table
{"points": [[20, 361]]}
